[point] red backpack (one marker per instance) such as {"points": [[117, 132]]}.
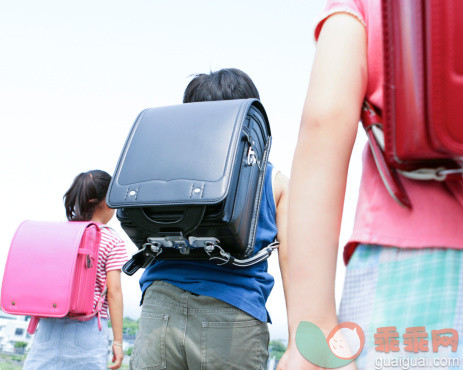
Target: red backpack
{"points": [[421, 136]]}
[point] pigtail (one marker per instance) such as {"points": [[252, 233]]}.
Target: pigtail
{"points": [[87, 190]]}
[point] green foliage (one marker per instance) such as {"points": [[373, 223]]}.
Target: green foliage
{"points": [[130, 326], [277, 348], [128, 351], [20, 344], [11, 362], [18, 358], [10, 366]]}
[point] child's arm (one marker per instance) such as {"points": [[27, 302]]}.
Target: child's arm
{"points": [[318, 178], [280, 191], [116, 308]]}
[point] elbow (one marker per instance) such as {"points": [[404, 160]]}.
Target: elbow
{"points": [[114, 292], [331, 119]]}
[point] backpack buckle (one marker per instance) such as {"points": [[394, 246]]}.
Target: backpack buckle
{"points": [[88, 262]]}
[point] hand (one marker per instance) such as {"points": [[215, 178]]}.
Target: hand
{"points": [[118, 356], [293, 360]]}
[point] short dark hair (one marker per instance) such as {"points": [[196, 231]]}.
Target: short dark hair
{"points": [[87, 190], [226, 84]]}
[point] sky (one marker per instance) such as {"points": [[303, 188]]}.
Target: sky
{"points": [[75, 75]]}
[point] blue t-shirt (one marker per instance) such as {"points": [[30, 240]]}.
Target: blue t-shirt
{"points": [[245, 288]]}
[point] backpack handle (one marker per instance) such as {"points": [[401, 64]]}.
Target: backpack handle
{"points": [[186, 223]]}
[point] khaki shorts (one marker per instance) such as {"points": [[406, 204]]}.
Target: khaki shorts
{"points": [[182, 330]]}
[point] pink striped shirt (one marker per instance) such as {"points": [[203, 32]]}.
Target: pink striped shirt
{"points": [[112, 256]]}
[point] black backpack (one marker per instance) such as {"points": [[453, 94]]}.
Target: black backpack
{"points": [[189, 180]]}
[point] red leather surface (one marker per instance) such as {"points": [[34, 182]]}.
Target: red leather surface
{"points": [[444, 46], [423, 81], [388, 174]]}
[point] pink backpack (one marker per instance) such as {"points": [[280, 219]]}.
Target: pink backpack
{"points": [[51, 271]]}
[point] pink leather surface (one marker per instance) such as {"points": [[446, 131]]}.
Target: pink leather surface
{"points": [[40, 268], [85, 275]]}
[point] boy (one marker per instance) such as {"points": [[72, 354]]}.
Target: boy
{"points": [[196, 314]]}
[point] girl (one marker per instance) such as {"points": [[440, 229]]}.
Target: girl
{"points": [[404, 266], [70, 344]]}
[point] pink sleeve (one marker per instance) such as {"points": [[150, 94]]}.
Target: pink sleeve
{"points": [[117, 256], [352, 7]]}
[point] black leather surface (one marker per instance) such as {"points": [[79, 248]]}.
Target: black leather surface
{"points": [[179, 154], [189, 156]]}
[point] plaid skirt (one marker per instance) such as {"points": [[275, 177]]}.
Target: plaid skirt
{"points": [[403, 299]]}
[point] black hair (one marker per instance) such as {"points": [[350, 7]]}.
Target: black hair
{"points": [[226, 84], [87, 190]]}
